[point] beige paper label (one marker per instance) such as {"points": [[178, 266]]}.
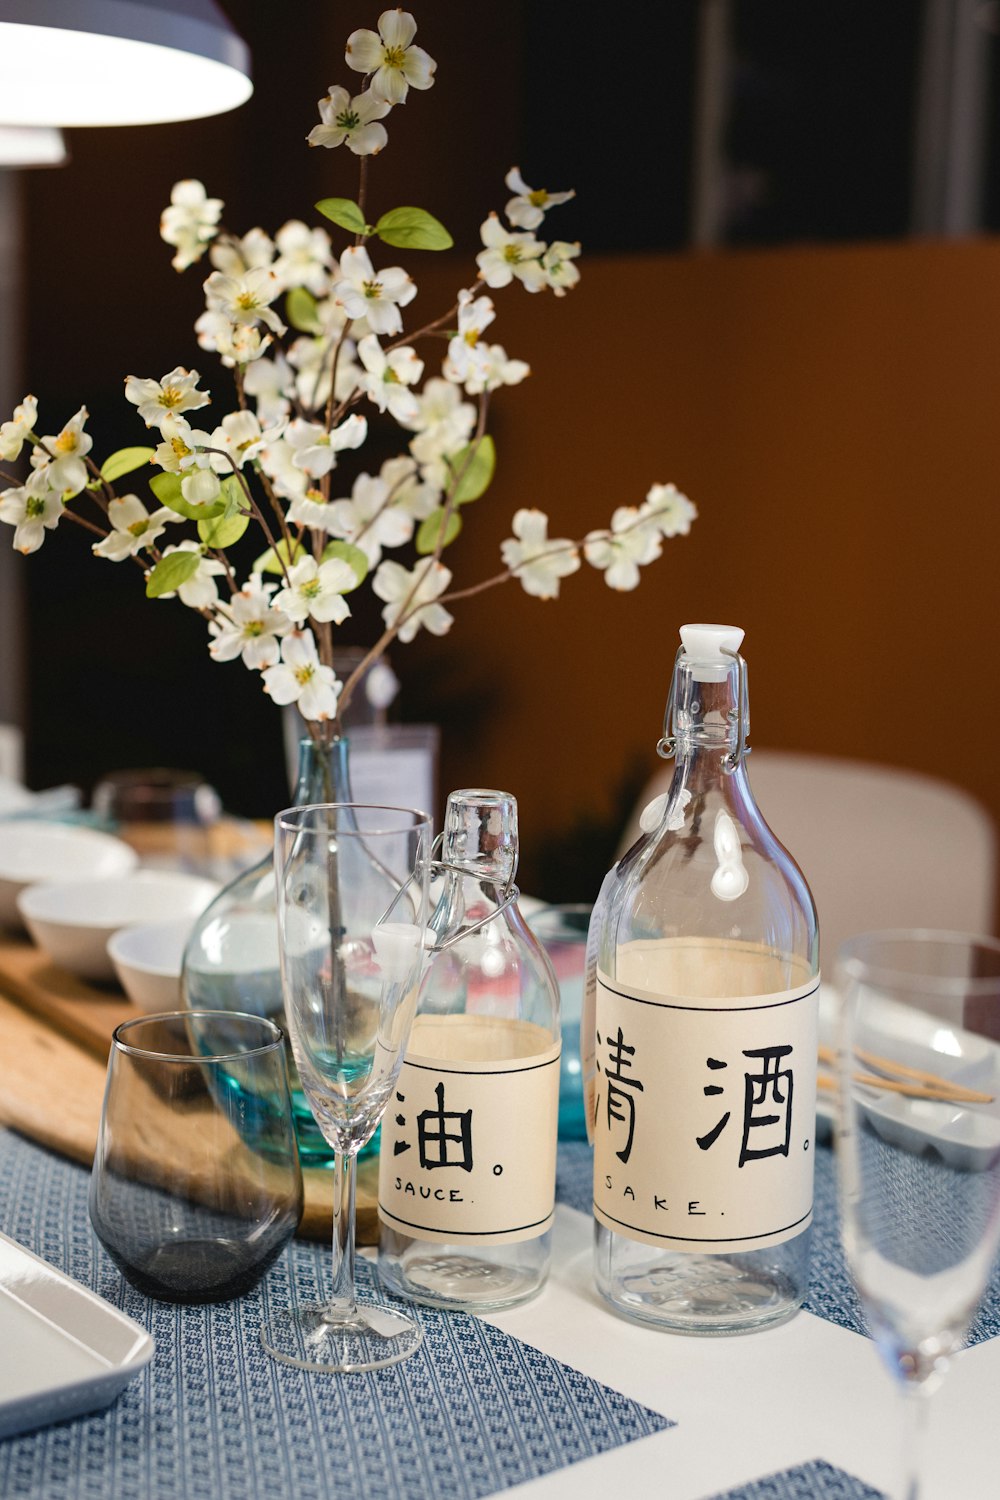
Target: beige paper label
{"points": [[468, 1150], [705, 1098]]}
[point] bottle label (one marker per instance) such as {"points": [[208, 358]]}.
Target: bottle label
{"points": [[705, 1099], [468, 1150]]}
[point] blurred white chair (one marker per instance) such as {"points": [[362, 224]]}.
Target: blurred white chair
{"points": [[11, 752], [879, 845]]}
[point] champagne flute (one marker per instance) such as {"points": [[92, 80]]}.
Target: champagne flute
{"points": [[352, 883], [918, 1147]]}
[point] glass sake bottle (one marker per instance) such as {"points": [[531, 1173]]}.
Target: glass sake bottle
{"points": [[468, 1152], [703, 982]]}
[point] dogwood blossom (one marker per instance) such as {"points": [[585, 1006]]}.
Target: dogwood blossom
{"points": [[176, 392], [302, 679], [190, 222], [132, 528], [245, 299], [32, 509], [527, 209], [376, 297], [507, 255], [250, 627], [305, 257], [235, 257], [270, 383], [14, 434], [465, 352], [240, 438], [388, 375], [368, 520], [493, 369], [200, 591], [317, 590], [395, 64], [310, 508], [316, 449], [343, 119], [408, 488], [62, 456], [538, 562], [630, 544], [673, 511], [180, 444], [411, 597], [557, 265], [235, 344]]}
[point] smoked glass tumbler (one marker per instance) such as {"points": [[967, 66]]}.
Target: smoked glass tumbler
{"points": [[196, 1186]]}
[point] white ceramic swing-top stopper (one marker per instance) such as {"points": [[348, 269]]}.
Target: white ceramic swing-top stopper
{"points": [[703, 647]]}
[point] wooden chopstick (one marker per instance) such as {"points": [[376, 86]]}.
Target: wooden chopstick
{"points": [[944, 1093], [936, 1086]]}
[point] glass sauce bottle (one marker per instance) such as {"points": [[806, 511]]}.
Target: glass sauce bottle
{"points": [[701, 1075], [468, 1151]]}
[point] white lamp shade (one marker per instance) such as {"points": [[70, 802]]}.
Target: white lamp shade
{"points": [[118, 62]]}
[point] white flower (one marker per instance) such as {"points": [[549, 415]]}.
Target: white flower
{"points": [[672, 511], [32, 509], [15, 432], [465, 356], [304, 257], [538, 562], [245, 299], [378, 298], [527, 209], [302, 679], [312, 359], [351, 120], [240, 438], [179, 448], [176, 392], [278, 462], [201, 487], [271, 383], [410, 597], [132, 528], [557, 263], [236, 344], [316, 449], [396, 65], [387, 376], [252, 628], [444, 423], [308, 508], [493, 369], [199, 591], [255, 251], [368, 520], [632, 542], [317, 589], [508, 255], [408, 489], [190, 222], [66, 471]]}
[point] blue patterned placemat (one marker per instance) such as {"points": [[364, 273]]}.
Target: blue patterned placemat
{"points": [[831, 1291], [813, 1481], [473, 1412]]}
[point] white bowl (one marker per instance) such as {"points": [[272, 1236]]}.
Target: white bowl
{"points": [[148, 961], [74, 920], [32, 852]]}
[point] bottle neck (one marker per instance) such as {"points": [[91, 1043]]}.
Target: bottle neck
{"points": [[710, 717], [324, 773], [480, 835]]}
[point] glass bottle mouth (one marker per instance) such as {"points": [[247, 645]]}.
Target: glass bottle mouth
{"points": [[707, 710]]}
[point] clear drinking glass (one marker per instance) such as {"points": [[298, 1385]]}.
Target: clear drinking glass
{"points": [[352, 909], [196, 1185], [919, 1146]]}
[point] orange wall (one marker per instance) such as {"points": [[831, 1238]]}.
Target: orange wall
{"points": [[833, 412]]}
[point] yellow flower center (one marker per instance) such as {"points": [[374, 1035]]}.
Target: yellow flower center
{"points": [[311, 589], [180, 447], [315, 496], [254, 628], [538, 198], [170, 397], [304, 675], [512, 253], [65, 442], [138, 528], [372, 290], [246, 301], [393, 57], [472, 337], [34, 507]]}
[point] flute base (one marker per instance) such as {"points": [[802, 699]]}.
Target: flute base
{"points": [[319, 1338]]}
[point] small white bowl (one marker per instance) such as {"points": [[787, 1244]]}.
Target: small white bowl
{"points": [[148, 961], [73, 921], [32, 852]]}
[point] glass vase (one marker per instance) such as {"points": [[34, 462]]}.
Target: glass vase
{"points": [[231, 961]]}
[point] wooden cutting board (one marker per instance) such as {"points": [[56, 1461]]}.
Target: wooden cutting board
{"points": [[55, 1035]]}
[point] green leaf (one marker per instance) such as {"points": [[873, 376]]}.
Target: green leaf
{"points": [[476, 477], [300, 310], [170, 572], [271, 560], [430, 530], [223, 531], [353, 556], [167, 489], [125, 461], [234, 496], [413, 229], [345, 212]]}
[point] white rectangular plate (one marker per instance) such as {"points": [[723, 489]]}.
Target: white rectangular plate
{"points": [[66, 1350]]}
